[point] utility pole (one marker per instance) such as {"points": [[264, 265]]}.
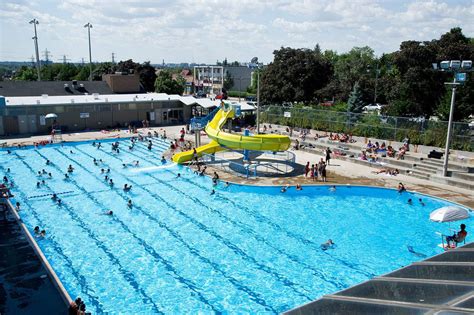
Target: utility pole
{"points": [[82, 61], [89, 26], [38, 62], [113, 58]]}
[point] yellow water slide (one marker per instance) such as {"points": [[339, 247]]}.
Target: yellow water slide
{"points": [[222, 140]]}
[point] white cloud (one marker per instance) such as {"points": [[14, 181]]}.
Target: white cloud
{"points": [[207, 30]]}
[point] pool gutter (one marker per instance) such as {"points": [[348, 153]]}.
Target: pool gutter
{"points": [[54, 278]]}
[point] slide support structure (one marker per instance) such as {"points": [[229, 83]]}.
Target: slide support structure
{"points": [[246, 152]]}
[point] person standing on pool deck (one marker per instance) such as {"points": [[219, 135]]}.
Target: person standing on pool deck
{"points": [[306, 170], [328, 155]]}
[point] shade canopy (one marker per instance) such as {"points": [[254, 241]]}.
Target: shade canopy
{"points": [[51, 115], [449, 214]]}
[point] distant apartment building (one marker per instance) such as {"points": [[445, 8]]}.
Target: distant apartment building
{"points": [[209, 79], [241, 76], [188, 77]]}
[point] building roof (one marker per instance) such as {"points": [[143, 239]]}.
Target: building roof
{"points": [[114, 98], [52, 88]]}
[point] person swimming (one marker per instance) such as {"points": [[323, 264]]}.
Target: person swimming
{"points": [[36, 230], [111, 182], [38, 184], [17, 206], [54, 197], [126, 187], [124, 165], [421, 202], [129, 203], [333, 188], [410, 202], [329, 244], [59, 202], [106, 178], [213, 192], [401, 188], [66, 176], [227, 184], [284, 189], [70, 169], [42, 233], [50, 175], [102, 170], [163, 160], [298, 187], [108, 170], [179, 175], [110, 212], [47, 162]]}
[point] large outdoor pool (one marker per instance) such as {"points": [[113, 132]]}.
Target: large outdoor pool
{"points": [[181, 250]]}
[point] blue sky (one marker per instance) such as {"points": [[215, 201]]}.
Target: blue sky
{"points": [[210, 30]]}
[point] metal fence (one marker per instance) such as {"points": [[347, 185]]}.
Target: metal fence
{"points": [[420, 131]]}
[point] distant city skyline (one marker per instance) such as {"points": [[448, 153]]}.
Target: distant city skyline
{"points": [[206, 31]]}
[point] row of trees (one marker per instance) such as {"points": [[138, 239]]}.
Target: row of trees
{"points": [[69, 71], [403, 79]]}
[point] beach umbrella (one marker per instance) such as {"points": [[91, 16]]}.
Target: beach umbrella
{"points": [[51, 115], [449, 214]]}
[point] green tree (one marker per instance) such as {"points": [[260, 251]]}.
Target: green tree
{"points": [[355, 102], [147, 75], [165, 83], [26, 74], [294, 75]]}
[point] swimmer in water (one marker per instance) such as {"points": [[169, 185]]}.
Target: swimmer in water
{"points": [[110, 212], [59, 202], [17, 206], [421, 202], [49, 174], [163, 160], [66, 176], [126, 187], [54, 197], [213, 192], [111, 183], [410, 202], [102, 170], [284, 189], [47, 162], [43, 182], [179, 175], [124, 165], [298, 187], [37, 184], [329, 244], [42, 233], [36, 230], [333, 188], [227, 184], [106, 178], [70, 169], [129, 204]]}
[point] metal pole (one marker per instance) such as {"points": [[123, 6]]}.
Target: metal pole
{"points": [[258, 101], [240, 86], [38, 62], [450, 122], [89, 26]]}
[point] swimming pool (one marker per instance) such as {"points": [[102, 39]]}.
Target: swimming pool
{"points": [[180, 249]]}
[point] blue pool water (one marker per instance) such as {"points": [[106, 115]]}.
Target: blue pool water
{"points": [[181, 250]]}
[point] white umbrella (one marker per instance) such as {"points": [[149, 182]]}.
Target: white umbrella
{"points": [[52, 115], [449, 214]]}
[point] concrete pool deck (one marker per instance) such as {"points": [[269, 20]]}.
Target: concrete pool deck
{"points": [[340, 172]]}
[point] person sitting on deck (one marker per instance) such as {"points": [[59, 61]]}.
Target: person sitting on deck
{"points": [[457, 237]]}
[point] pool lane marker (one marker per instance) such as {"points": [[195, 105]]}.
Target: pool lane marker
{"points": [[193, 287], [253, 295], [281, 278], [128, 276], [81, 279], [44, 195]]}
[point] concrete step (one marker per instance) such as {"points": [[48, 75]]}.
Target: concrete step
{"points": [[418, 174], [457, 182], [427, 169], [463, 176], [451, 165]]}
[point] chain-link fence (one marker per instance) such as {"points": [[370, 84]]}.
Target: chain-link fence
{"points": [[420, 131]]}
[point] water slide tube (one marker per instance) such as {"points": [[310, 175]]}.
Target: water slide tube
{"points": [[223, 140]]}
